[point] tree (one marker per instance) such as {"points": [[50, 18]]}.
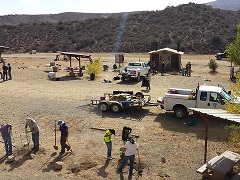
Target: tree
{"points": [[233, 49], [212, 65]]}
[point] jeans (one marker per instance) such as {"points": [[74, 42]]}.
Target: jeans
{"points": [[64, 144], [35, 139], [125, 159], [109, 149], [8, 144], [5, 77]]}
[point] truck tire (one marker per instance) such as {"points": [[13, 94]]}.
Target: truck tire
{"points": [[103, 106], [180, 112], [139, 95], [138, 77], [219, 57], [116, 108]]}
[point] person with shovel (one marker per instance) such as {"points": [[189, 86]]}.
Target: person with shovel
{"points": [[64, 136], [6, 130], [130, 149], [34, 129]]}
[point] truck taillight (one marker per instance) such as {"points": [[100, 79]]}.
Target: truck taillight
{"points": [[102, 98], [134, 72], [161, 101]]}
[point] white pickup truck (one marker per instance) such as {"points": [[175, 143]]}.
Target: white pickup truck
{"points": [[179, 100], [134, 70]]}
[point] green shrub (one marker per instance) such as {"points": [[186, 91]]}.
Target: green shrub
{"points": [[212, 65], [95, 66]]}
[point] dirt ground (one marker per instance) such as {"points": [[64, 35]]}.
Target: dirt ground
{"points": [[31, 94]]}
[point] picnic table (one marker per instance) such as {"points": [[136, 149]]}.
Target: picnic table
{"points": [[220, 167]]}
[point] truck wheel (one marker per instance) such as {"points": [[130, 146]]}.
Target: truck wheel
{"points": [[139, 95], [103, 106], [115, 108], [180, 112], [219, 57], [123, 78], [138, 77]]}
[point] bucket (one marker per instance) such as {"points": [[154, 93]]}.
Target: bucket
{"points": [[51, 75]]}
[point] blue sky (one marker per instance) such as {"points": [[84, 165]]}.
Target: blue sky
{"points": [[87, 6]]}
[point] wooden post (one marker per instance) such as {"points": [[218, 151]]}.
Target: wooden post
{"points": [[205, 118]]}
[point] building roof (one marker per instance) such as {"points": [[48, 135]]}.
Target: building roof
{"points": [[166, 49], [75, 55], [219, 113]]}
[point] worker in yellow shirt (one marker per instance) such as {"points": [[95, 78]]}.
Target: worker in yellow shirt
{"points": [[108, 141]]}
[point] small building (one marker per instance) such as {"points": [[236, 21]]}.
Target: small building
{"points": [[171, 58]]}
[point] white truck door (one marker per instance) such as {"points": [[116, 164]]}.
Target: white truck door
{"points": [[202, 101], [215, 101]]}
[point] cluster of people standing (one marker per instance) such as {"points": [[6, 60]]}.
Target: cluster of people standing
{"points": [[127, 152], [7, 72]]}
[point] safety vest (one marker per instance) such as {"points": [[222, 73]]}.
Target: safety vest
{"points": [[107, 137]]}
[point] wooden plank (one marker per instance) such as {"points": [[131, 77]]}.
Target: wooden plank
{"points": [[202, 169]]}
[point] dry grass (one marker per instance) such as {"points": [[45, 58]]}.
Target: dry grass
{"points": [[30, 93]]}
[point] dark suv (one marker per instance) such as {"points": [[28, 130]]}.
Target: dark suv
{"points": [[219, 56]]}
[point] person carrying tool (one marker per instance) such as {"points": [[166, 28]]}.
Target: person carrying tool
{"points": [[34, 129], [64, 136], [6, 130], [108, 141], [130, 149]]}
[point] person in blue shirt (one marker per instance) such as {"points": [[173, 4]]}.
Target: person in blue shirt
{"points": [[64, 136], [6, 135]]}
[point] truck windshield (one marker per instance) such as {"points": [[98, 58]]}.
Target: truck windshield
{"points": [[134, 64], [226, 96]]}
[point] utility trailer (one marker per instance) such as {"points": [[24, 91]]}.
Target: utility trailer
{"points": [[118, 100]]}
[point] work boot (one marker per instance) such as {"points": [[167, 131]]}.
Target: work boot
{"points": [[62, 152]]}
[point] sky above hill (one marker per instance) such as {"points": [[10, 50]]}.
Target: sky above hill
{"points": [[87, 6]]}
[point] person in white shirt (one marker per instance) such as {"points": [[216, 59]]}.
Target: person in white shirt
{"points": [[130, 149]]}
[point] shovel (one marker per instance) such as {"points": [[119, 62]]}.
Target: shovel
{"points": [[140, 170], [55, 146], [27, 143]]}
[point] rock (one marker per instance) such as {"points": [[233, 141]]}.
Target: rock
{"points": [[31, 156], [59, 165], [163, 159], [10, 159]]}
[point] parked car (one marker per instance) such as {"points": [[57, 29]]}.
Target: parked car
{"points": [[209, 97], [219, 56], [134, 70]]}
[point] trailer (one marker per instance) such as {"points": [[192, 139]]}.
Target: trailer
{"points": [[118, 100]]}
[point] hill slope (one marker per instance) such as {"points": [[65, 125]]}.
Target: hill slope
{"points": [[226, 4], [198, 29]]}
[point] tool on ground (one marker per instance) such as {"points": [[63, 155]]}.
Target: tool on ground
{"points": [[70, 150], [55, 145]]}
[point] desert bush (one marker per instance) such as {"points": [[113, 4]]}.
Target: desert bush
{"points": [[95, 66], [213, 65]]}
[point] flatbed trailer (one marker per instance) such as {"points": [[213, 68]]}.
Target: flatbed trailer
{"points": [[118, 100]]}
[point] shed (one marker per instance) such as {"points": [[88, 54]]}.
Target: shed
{"points": [[171, 58]]}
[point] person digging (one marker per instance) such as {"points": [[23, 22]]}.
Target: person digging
{"points": [[34, 129], [64, 136]]}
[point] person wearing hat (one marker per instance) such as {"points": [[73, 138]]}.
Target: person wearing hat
{"points": [[130, 149], [6, 135], [34, 129], [64, 136], [108, 141]]}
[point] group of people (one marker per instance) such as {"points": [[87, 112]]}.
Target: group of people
{"points": [[127, 152], [7, 72], [32, 127]]}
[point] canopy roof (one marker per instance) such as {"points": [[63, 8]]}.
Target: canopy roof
{"points": [[76, 55], [166, 49]]}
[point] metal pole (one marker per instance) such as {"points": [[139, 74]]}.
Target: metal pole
{"points": [[205, 118]]}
